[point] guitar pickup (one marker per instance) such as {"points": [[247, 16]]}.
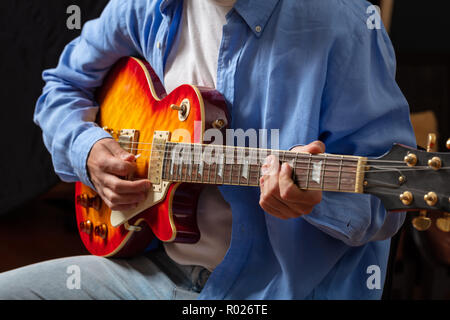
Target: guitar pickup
{"points": [[128, 140]]}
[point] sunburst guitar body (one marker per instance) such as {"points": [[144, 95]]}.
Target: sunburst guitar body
{"points": [[133, 107]]}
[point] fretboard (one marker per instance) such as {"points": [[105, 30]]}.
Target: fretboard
{"points": [[228, 165]]}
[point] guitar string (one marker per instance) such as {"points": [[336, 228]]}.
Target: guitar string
{"points": [[291, 156], [311, 165], [260, 150]]}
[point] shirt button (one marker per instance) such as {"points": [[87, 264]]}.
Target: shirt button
{"points": [[258, 29], [158, 45]]}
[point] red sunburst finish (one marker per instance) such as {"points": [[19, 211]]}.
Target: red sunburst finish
{"points": [[132, 97]]}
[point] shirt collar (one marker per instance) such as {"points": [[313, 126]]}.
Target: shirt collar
{"points": [[256, 13]]}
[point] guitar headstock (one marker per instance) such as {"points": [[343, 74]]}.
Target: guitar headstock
{"points": [[407, 179]]}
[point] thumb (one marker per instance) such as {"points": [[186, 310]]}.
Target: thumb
{"points": [[118, 152], [313, 148]]}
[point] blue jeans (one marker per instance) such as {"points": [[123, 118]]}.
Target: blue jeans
{"points": [[147, 277]]}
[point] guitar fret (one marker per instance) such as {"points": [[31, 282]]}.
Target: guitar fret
{"points": [[294, 177], [323, 172], [215, 167], [308, 171], [340, 172], [231, 171], [239, 174], [201, 167], [209, 169]]}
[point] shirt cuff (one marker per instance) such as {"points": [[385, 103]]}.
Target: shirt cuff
{"points": [[81, 149]]}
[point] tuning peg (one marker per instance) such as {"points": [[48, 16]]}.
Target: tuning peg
{"points": [[443, 223], [431, 142], [422, 222]]}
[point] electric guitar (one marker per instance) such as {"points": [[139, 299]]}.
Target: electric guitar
{"points": [[166, 132]]}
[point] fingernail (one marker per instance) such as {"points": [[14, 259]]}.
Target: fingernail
{"points": [[264, 170]]}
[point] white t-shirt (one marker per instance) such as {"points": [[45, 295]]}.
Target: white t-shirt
{"points": [[193, 60]]}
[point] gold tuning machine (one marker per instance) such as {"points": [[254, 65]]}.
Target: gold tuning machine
{"points": [[431, 142], [411, 159], [421, 222], [435, 163], [431, 198], [443, 223]]}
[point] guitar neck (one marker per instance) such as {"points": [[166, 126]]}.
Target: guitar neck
{"points": [[228, 165]]}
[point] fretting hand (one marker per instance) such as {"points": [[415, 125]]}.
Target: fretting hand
{"points": [[280, 197]]}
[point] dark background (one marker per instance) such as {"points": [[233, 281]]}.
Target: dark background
{"points": [[37, 221]]}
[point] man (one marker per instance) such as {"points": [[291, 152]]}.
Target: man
{"points": [[313, 70]]}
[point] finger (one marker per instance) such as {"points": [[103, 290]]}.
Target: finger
{"points": [[282, 209], [314, 148], [120, 207], [123, 199], [117, 166], [267, 206], [271, 165], [292, 194], [270, 172], [288, 190], [119, 152], [125, 186]]}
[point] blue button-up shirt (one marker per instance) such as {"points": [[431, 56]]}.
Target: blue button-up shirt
{"points": [[314, 70]]}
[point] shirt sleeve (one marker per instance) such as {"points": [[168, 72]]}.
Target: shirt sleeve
{"points": [[66, 110], [363, 113]]}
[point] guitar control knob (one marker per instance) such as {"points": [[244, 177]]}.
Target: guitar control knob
{"points": [[422, 222], [101, 231], [86, 226], [219, 124], [448, 144], [89, 202]]}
